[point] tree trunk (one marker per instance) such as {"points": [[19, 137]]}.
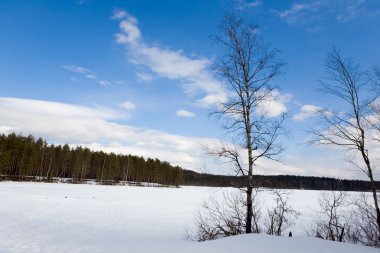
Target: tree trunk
{"points": [[101, 178], [373, 186], [248, 225], [374, 194]]}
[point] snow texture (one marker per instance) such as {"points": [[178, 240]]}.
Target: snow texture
{"points": [[40, 217]]}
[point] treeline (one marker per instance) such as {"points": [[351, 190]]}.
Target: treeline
{"points": [[27, 158], [277, 182]]}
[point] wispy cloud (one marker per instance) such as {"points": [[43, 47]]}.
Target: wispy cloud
{"points": [[306, 111], [128, 105], [104, 82], [119, 14], [78, 69], [297, 13], [243, 4], [351, 10], [191, 72], [144, 77], [185, 114], [86, 74], [310, 12]]}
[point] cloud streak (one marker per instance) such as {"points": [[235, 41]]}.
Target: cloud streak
{"points": [[193, 73], [310, 12], [185, 114], [243, 4], [128, 105], [87, 74]]}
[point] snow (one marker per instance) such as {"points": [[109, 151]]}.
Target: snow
{"points": [[40, 217]]}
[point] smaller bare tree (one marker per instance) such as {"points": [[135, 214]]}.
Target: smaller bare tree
{"points": [[282, 215], [332, 222]]}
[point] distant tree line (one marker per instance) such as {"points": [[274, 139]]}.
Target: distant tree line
{"points": [[27, 158], [277, 182]]}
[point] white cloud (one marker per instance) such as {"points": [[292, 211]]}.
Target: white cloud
{"points": [[254, 3], [243, 4], [274, 104], [78, 69], [104, 82], [144, 77], [91, 76], [128, 105], [193, 73], [119, 14], [130, 30], [96, 128], [86, 74], [307, 111], [211, 99], [185, 114]]}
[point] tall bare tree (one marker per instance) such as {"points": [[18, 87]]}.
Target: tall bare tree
{"points": [[348, 126], [247, 70]]}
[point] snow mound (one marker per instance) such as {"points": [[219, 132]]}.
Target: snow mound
{"points": [[274, 244]]}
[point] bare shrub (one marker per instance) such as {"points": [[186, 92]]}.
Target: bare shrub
{"points": [[364, 222], [226, 217], [282, 215], [332, 222]]}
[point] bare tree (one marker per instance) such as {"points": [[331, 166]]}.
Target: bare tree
{"points": [[332, 222], [348, 128], [247, 70], [282, 215]]}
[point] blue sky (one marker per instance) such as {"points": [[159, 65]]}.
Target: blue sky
{"points": [[134, 76]]}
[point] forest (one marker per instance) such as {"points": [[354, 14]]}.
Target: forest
{"points": [[27, 158]]}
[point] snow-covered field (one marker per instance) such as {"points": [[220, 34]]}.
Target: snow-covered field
{"points": [[39, 217]]}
